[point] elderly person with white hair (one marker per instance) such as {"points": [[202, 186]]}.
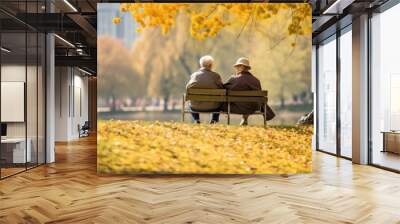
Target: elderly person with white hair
{"points": [[243, 80], [205, 78]]}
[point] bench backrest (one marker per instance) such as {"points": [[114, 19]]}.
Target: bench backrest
{"points": [[222, 95], [207, 95], [263, 93], [259, 96], [211, 92]]}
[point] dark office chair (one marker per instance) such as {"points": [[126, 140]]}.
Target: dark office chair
{"points": [[84, 130]]}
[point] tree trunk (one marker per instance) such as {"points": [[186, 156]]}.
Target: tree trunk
{"points": [[166, 101], [282, 97], [185, 66], [113, 104]]}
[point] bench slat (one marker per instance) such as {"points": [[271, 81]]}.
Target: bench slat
{"points": [[206, 98], [212, 92], [258, 112], [204, 112], [248, 93], [255, 99]]}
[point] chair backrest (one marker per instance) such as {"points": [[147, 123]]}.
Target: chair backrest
{"points": [[86, 124], [206, 95], [259, 96]]}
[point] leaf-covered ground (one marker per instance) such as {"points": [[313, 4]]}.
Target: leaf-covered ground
{"points": [[136, 147]]}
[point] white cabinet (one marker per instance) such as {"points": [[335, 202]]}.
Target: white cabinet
{"points": [[17, 146]]}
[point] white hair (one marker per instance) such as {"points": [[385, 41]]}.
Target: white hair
{"points": [[206, 61]]}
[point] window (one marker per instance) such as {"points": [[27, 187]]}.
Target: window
{"points": [[346, 93], [385, 89], [327, 96]]}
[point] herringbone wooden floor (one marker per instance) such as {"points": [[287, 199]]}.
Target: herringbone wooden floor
{"points": [[70, 191]]}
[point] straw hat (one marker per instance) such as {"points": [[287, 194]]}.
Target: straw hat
{"points": [[243, 61]]}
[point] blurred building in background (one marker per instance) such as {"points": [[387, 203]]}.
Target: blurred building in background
{"points": [[125, 31]]}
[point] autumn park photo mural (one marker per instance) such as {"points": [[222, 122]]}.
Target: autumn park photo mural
{"points": [[204, 88]]}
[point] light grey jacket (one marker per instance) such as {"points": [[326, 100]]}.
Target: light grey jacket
{"points": [[204, 79]]}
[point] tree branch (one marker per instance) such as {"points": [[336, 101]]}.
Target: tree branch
{"points": [[253, 23], [295, 40], [212, 11], [244, 25]]}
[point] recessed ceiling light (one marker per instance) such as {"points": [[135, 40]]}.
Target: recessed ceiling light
{"points": [[70, 5], [64, 40], [5, 50], [84, 71], [338, 6]]}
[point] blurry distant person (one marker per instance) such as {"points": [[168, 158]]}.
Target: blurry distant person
{"points": [[243, 80], [205, 78]]}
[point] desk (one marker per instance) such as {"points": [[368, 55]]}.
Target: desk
{"points": [[15, 148], [391, 141]]}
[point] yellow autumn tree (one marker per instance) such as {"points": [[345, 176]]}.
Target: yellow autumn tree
{"points": [[117, 77], [276, 39], [207, 20]]}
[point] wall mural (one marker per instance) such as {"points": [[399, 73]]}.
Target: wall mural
{"points": [[204, 88]]}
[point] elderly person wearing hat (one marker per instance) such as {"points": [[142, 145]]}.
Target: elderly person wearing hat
{"points": [[243, 80], [205, 78]]}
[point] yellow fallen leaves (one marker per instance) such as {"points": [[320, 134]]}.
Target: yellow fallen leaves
{"points": [[134, 147]]}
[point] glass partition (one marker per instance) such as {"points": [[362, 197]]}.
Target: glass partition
{"points": [[31, 97], [385, 89], [327, 96], [23, 91], [346, 93], [14, 153], [41, 109]]}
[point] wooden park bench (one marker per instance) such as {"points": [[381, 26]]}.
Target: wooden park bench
{"points": [[225, 96]]}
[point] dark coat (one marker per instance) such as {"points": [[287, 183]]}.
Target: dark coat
{"points": [[241, 82]]}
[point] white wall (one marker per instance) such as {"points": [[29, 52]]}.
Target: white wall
{"points": [[13, 73], [80, 110], [62, 81], [16, 73], [71, 94], [33, 126], [13, 100]]}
